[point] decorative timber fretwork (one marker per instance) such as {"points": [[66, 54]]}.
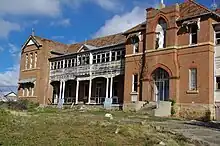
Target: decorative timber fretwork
{"points": [[91, 70]]}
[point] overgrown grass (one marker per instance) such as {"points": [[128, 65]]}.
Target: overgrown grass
{"points": [[50, 126]]}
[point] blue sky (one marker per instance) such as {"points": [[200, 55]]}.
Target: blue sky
{"points": [[66, 21]]}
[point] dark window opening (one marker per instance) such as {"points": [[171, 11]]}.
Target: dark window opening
{"points": [[217, 37], [113, 56], [94, 59], [135, 83], [218, 83], [194, 37]]}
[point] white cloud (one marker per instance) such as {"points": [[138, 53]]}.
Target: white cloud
{"points": [[63, 22], [6, 27], [1, 49], [30, 7], [120, 23], [10, 76], [13, 50], [110, 5]]}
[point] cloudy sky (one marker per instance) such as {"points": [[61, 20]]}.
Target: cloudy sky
{"points": [[66, 21]]}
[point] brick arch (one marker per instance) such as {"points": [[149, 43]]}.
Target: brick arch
{"points": [[164, 67], [158, 17]]}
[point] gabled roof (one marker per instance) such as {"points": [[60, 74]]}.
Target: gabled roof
{"points": [[98, 42], [190, 9], [139, 27], [34, 40], [10, 93], [87, 47]]}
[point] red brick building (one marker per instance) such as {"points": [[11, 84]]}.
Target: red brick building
{"points": [[171, 55]]}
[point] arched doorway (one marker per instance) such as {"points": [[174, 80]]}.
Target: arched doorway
{"points": [[161, 84]]}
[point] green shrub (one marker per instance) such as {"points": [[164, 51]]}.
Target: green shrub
{"points": [[173, 102], [21, 105]]}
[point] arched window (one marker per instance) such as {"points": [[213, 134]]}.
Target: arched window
{"points": [[161, 34], [135, 43]]}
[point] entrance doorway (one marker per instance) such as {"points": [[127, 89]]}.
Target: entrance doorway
{"points": [[161, 84]]}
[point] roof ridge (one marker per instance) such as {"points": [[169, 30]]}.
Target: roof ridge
{"points": [[43, 38], [200, 5], [83, 42]]}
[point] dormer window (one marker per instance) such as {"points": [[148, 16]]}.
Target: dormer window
{"points": [[135, 43], [160, 41], [193, 34]]}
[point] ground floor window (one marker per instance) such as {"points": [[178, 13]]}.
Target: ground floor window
{"points": [[218, 83], [27, 89], [193, 79], [135, 83]]}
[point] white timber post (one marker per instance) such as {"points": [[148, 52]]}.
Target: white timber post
{"points": [[63, 94], [60, 94], [110, 56], [107, 85], [77, 91], [90, 91], [111, 84]]}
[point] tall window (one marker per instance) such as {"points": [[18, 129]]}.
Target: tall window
{"points": [[134, 83], [35, 62], [193, 79], [113, 56], [160, 40], [135, 43], [31, 60], [193, 34], [26, 61], [218, 83]]}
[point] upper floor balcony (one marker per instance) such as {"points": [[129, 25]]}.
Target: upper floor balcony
{"points": [[88, 64]]}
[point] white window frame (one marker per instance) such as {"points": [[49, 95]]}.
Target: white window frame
{"points": [[31, 60], [193, 86], [35, 60], [190, 35], [26, 61], [133, 82]]}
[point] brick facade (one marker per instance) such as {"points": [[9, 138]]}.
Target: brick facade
{"points": [[176, 58]]}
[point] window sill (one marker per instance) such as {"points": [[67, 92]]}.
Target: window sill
{"points": [[32, 69], [134, 93], [192, 92], [27, 96]]}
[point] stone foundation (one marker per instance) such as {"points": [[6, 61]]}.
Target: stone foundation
{"points": [[133, 106], [202, 112]]}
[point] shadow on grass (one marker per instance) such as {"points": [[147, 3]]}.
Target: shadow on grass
{"points": [[212, 125]]}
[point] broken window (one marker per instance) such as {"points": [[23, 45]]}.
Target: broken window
{"points": [[193, 34]]}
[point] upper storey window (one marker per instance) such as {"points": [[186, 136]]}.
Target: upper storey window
{"points": [[161, 34], [135, 43], [193, 34]]}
